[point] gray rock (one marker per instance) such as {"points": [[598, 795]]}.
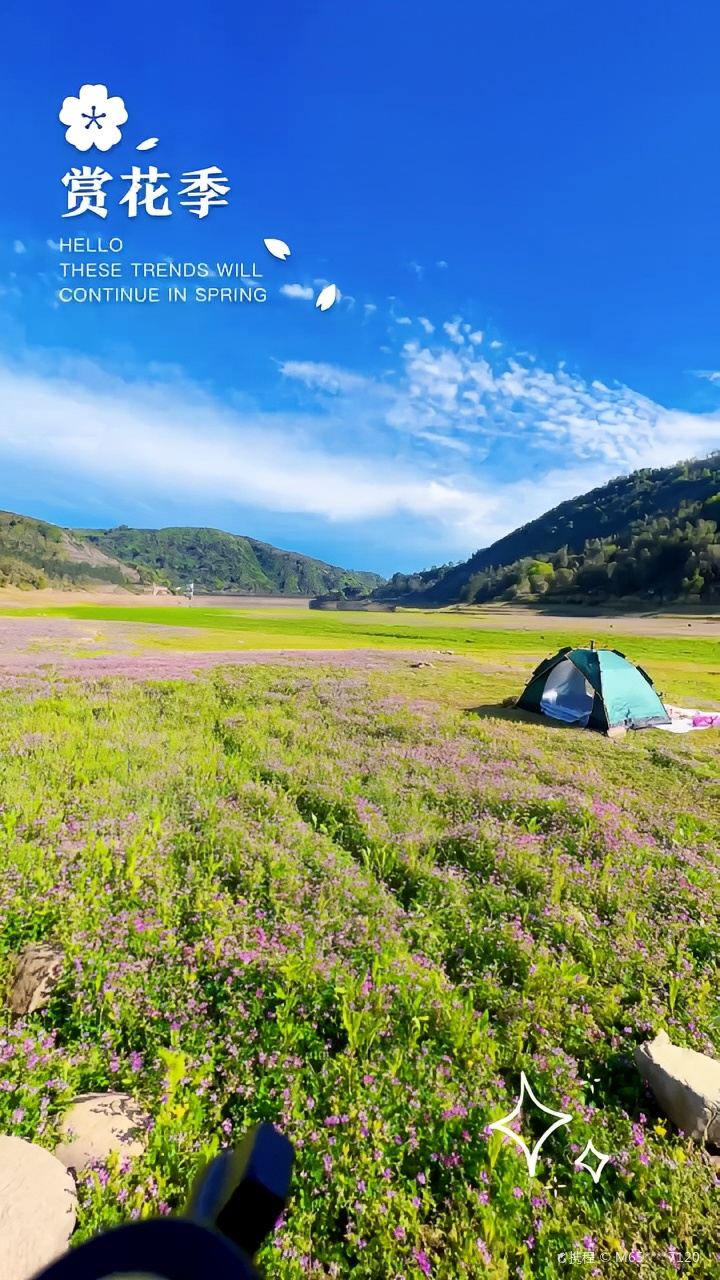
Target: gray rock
{"points": [[686, 1085], [421, 664], [37, 970], [38, 1204], [98, 1123]]}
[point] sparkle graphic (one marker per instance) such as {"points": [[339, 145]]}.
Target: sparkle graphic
{"points": [[503, 1125], [595, 1171]]}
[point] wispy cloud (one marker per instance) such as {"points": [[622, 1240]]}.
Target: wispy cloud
{"points": [[446, 442], [449, 444], [545, 413], [19, 247], [143, 438], [323, 377]]}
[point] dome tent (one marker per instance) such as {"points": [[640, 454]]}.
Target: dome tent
{"points": [[595, 689]]}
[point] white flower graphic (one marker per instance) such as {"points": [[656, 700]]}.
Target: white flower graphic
{"points": [[93, 118]]}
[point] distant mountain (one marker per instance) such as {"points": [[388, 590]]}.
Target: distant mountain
{"points": [[221, 562], [34, 553], [654, 534]]}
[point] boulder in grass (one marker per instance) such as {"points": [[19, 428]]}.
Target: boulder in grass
{"points": [[37, 971], [686, 1085], [97, 1124], [38, 1204]]}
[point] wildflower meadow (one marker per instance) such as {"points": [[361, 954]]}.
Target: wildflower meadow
{"points": [[358, 902]]}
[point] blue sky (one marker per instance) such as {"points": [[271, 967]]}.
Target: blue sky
{"points": [[520, 205]]}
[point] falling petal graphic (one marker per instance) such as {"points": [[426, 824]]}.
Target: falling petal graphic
{"points": [[147, 145], [277, 248], [327, 297]]}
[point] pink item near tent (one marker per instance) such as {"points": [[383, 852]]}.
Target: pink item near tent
{"points": [[685, 719], [709, 721]]}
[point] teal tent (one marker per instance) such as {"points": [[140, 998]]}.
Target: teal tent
{"points": [[595, 689]]}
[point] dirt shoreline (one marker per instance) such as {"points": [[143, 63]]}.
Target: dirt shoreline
{"points": [[705, 626], [52, 597]]}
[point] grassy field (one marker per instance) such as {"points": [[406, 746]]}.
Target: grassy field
{"points": [[360, 904], [268, 628], [682, 665]]}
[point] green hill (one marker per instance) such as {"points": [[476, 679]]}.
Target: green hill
{"points": [[34, 553], [651, 535], [222, 562]]}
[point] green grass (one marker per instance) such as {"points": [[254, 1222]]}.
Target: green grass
{"points": [[295, 628], [359, 905], [681, 667]]}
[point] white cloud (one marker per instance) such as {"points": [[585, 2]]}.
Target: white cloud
{"points": [[446, 442], [369, 308], [452, 329], [403, 320], [298, 291], [426, 324], [322, 377], [711, 375], [171, 439], [442, 263], [19, 247], [476, 337], [546, 413], [466, 441], [53, 244]]}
